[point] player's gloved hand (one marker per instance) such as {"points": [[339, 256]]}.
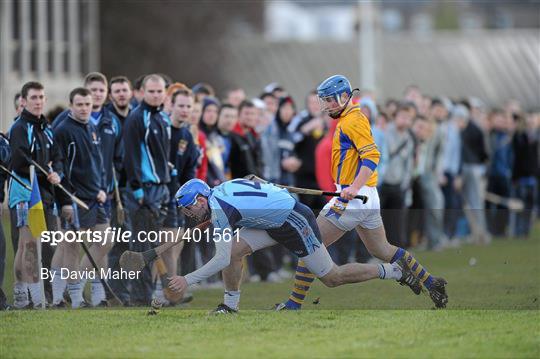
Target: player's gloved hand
{"points": [[349, 192], [178, 283]]}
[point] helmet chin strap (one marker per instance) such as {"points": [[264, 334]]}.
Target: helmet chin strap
{"points": [[337, 114]]}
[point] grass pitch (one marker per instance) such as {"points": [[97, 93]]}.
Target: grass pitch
{"points": [[493, 312]]}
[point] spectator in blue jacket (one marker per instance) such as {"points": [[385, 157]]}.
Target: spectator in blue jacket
{"points": [[147, 136]]}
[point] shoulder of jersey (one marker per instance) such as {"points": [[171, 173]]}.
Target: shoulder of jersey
{"points": [[352, 116]]}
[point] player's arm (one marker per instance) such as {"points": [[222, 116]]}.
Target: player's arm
{"points": [[219, 261], [361, 137]]}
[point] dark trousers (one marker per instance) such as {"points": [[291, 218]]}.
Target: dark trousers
{"points": [[393, 213], [498, 216], [145, 218], [187, 258], [119, 286], [525, 189], [452, 205]]}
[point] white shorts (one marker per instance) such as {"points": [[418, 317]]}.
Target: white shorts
{"points": [[348, 215], [319, 262]]}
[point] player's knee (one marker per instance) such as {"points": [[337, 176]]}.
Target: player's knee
{"points": [[71, 249], [240, 250], [30, 245]]}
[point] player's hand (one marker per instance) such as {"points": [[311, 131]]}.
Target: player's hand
{"points": [[349, 193], [177, 283], [101, 197], [291, 164], [67, 213], [53, 178], [443, 180]]}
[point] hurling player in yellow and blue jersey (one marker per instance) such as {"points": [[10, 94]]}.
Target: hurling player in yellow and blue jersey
{"points": [[354, 163]]}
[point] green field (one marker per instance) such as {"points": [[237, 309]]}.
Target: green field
{"points": [[493, 312]]}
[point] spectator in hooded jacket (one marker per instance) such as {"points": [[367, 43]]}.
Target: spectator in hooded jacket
{"points": [[214, 149], [290, 163]]}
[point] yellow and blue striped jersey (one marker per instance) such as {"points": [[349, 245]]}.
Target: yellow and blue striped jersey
{"points": [[352, 147]]}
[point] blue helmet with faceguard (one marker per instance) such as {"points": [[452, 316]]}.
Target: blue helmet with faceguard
{"points": [[187, 194], [330, 93]]}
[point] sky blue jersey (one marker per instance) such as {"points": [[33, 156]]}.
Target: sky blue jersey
{"points": [[244, 203], [241, 203]]}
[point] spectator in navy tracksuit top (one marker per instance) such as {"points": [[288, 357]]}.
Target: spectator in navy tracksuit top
{"points": [[85, 176], [120, 95], [147, 135], [109, 129], [31, 137], [108, 125]]}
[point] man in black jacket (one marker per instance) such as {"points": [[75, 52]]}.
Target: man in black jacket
{"points": [[79, 141], [147, 135], [31, 137], [245, 156]]}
